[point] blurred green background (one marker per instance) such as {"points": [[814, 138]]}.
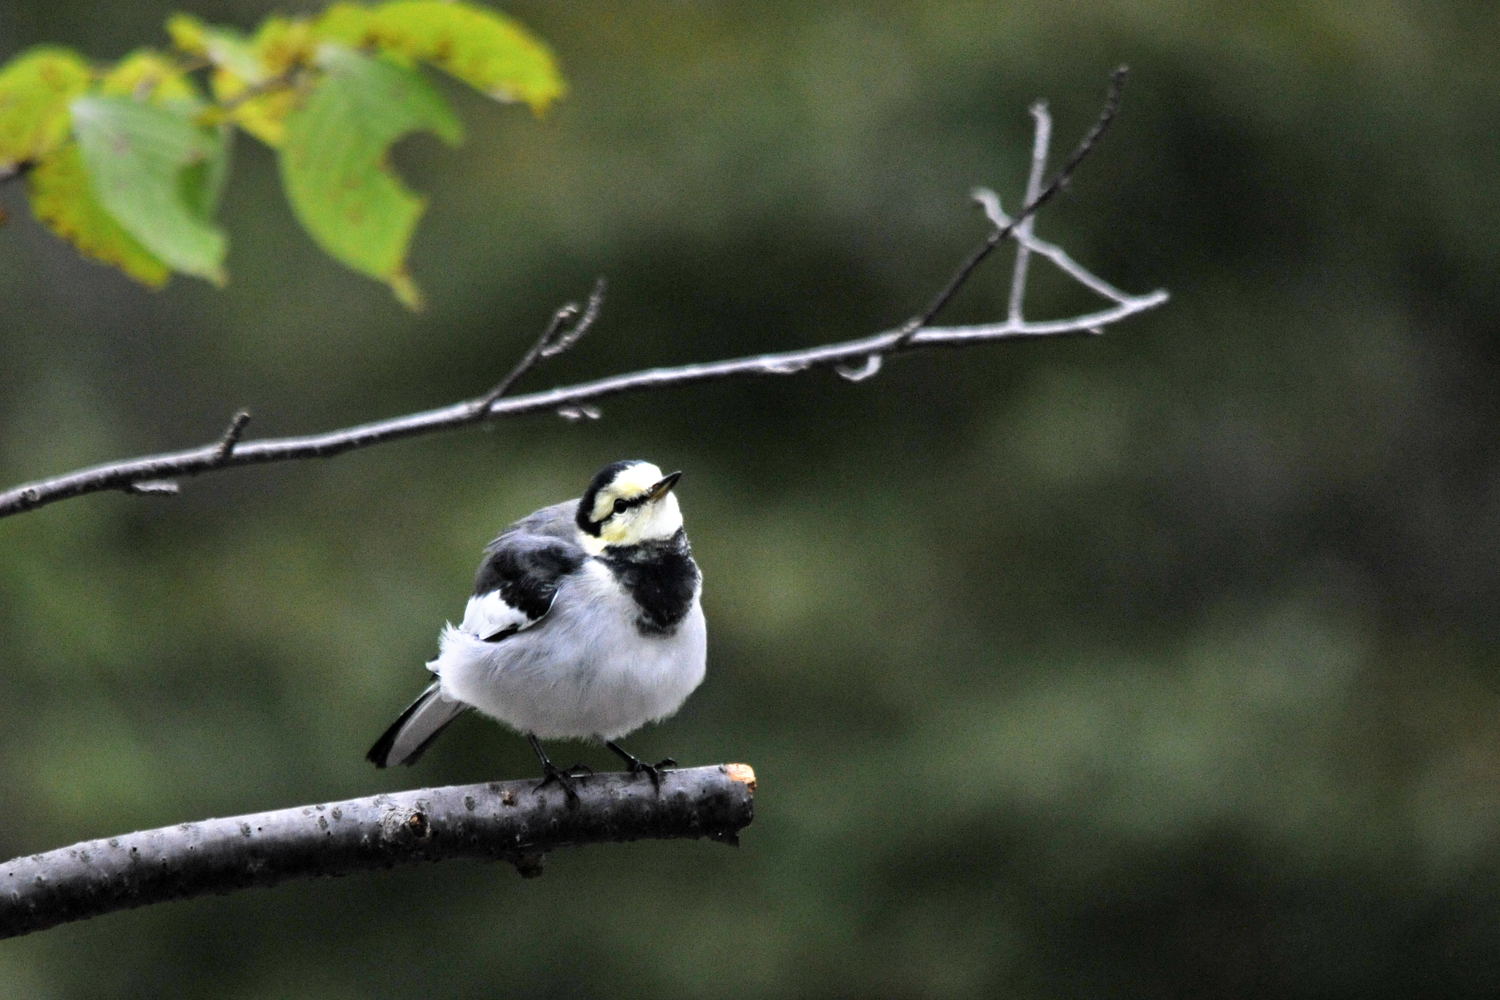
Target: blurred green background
{"points": [[1162, 664]]}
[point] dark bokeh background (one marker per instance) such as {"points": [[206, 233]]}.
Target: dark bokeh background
{"points": [[1162, 664]]}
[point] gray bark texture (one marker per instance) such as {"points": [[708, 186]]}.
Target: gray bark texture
{"points": [[511, 820]]}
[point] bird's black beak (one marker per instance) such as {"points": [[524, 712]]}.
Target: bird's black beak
{"points": [[664, 485]]}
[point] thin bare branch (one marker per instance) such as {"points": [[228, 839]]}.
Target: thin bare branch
{"points": [[510, 821], [566, 336], [566, 328], [854, 360], [194, 461], [232, 434], [1085, 146], [1088, 324], [1041, 141], [990, 202]]}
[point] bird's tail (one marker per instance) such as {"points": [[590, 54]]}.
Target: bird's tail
{"points": [[410, 735]]}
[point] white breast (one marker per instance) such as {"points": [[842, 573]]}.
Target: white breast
{"points": [[584, 671]]}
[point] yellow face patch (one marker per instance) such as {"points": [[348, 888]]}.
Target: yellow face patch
{"points": [[631, 483], [619, 532], [625, 513]]}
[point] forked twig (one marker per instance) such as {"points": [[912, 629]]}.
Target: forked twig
{"points": [[1033, 205], [566, 328]]}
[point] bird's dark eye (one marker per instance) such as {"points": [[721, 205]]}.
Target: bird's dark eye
{"points": [[620, 505]]}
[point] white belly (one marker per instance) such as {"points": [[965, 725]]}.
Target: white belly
{"points": [[584, 671]]}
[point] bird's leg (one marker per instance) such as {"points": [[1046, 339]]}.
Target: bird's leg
{"points": [[551, 772], [636, 765]]}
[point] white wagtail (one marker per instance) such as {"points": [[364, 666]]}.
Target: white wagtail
{"points": [[584, 624]]}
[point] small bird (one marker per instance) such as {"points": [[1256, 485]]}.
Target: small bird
{"points": [[584, 624]]}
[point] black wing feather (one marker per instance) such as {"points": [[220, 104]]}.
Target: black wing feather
{"points": [[526, 563]]}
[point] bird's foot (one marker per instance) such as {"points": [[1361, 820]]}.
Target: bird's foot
{"points": [[551, 774], [637, 766], [653, 771]]}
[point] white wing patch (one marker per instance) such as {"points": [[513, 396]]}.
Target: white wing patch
{"points": [[489, 617]]}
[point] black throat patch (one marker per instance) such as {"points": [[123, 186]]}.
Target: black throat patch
{"points": [[660, 576]]}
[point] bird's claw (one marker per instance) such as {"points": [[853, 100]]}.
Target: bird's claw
{"points": [[653, 771], [563, 776], [636, 765]]}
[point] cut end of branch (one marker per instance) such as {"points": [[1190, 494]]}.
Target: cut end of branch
{"points": [[743, 773]]}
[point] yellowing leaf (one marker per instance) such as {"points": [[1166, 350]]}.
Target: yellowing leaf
{"points": [[62, 200], [158, 174], [334, 162], [188, 33], [485, 49], [282, 44], [226, 48], [263, 116], [149, 76], [345, 23], [35, 89], [251, 75]]}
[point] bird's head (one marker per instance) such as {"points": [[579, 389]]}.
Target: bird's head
{"points": [[629, 503]]}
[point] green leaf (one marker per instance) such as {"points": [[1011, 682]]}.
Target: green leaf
{"points": [[62, 200], [35, 90], [158, 173], [333, 162], [485, 49]]}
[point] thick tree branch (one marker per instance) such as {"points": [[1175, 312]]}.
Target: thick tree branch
{"points": [[508, 820], [853, 359]]}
